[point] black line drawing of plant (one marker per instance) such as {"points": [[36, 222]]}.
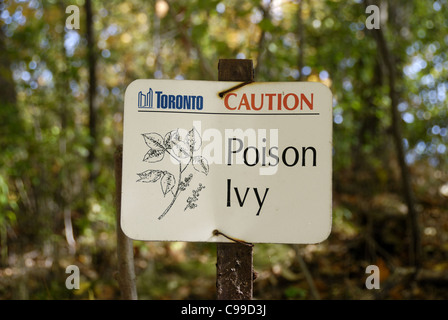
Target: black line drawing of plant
{"points": [[182, 149], [191, 200]]}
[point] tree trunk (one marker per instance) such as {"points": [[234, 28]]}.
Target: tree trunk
{"points": [[92, 90], [389, 64]]}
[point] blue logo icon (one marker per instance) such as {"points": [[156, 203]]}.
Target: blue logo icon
{"points": [[145, 99], [148, 101]]}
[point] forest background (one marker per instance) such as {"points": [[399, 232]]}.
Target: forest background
{"points": [[61, 120]]}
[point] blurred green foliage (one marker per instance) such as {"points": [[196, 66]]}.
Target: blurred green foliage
{"points": [[44, 136]]}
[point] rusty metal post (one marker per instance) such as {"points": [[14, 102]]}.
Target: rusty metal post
{"points": [[234, 265], [125, 253]]}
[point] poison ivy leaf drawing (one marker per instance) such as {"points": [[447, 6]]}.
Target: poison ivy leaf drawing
{"points": [[149, 176], [178, 148], [172, 138], [200, 164], [156, 146], [193, 140], [181, 148], [168, 181], [154, 140], [154, 155]]}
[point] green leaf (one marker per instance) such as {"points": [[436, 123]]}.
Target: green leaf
{"points": [[266, 25]]}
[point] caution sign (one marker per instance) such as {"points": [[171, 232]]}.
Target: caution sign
{"points": [[253, 161]]}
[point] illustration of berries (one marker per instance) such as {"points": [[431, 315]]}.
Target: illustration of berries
{"points": [[191, 200]]}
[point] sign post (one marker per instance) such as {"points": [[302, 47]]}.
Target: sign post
{"points": [[125, 253], [234, 265], [233, 162]]}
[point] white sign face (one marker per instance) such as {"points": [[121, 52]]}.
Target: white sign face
{"points": [[252, 161]]}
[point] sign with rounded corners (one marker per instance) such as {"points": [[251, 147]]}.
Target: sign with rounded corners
{"points": [[251, 160]]}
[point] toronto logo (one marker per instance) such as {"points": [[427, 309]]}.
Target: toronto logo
{"points": [[145, 99], [160, 100]]}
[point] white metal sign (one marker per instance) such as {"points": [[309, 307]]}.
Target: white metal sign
{"points": [[253, 161]]}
